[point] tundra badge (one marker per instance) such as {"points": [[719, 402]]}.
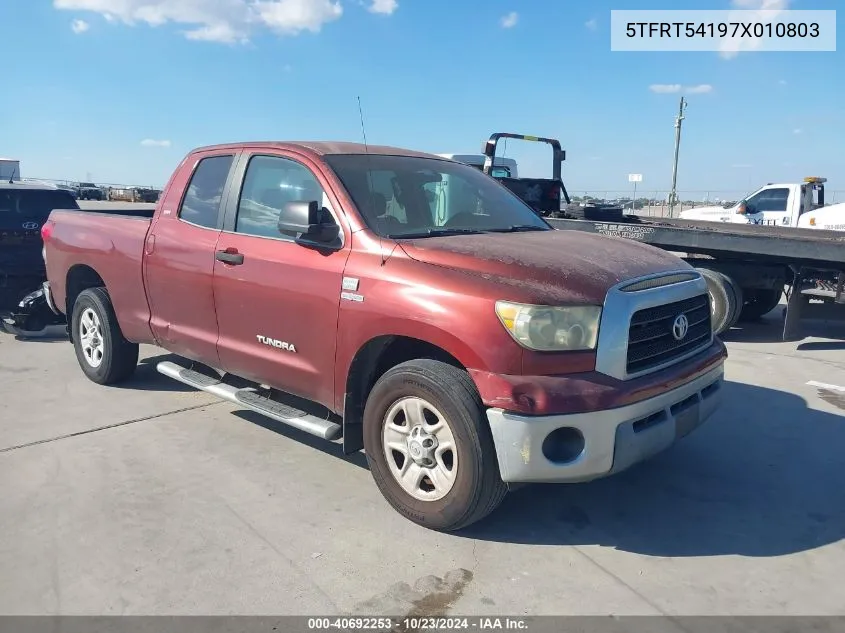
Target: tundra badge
{"points": [[272, 342]]}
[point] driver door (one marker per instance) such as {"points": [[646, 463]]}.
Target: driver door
{"points": [[277, 301], [771, 206]]}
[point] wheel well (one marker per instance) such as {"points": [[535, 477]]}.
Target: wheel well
{"points": [[79, 278], [371, 362]]}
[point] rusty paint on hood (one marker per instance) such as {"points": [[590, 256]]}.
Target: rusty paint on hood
{"points": [[559, 266]]}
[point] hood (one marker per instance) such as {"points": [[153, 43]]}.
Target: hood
{"points": [[695, 211], [547, 266]]}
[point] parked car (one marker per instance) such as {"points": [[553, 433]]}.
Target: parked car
{"points": [[146, 194], [121, 194], [464, 350], [89, 191], [24, 208]]}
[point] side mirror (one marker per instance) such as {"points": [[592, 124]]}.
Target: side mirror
{"points": [[309, 221], [742, 208]]}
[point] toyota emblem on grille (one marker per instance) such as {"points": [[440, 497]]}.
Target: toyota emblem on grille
{"points": [[29, 226], [680, 327]]}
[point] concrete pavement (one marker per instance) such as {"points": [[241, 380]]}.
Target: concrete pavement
{"points": [[152, 498]]}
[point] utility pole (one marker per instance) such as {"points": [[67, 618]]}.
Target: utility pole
{"points": [[673, 195]]}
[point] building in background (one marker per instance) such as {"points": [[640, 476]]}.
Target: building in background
{"points": [[10, 169]]}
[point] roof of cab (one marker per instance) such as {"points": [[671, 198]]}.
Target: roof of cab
{"points": [[321, 148]]}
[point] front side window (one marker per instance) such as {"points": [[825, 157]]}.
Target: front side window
{"points": [[270, 183], [768, 200], [409, 196], [775, 201], [201, 205]]}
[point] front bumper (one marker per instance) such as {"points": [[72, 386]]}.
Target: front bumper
{"points": [[584, 446]]}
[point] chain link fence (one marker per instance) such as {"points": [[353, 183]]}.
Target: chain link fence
{"points": [[102, 185], [651, 203]]}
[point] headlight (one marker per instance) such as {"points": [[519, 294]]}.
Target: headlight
{"points": [[551, 329]]}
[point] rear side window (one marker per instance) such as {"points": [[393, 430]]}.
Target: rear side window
{"points": [[201, 205], [32, 205]]}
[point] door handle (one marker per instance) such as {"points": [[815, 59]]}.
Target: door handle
{"points": [[229, 256]]}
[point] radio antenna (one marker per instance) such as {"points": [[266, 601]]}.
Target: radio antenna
{"points": [[369, 172], [363, 129]]}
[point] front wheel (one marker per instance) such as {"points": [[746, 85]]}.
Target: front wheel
{"points": [[103, 353], [429, 448]]}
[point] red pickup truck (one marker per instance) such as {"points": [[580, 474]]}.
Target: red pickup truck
{"points": [[409, 304]]}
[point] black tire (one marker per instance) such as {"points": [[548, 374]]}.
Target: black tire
{"points": [[478, 488], [759, 302], [720, 309], [119, 356], [736, 300]]}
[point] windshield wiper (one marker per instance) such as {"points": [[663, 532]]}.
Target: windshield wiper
{"points": [[434, 232], [514, 228]]}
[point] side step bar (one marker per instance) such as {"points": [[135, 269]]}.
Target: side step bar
{"points": [[250, 399]]}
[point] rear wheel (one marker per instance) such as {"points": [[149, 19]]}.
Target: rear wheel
{"points": [[759, 302], [103, 353], [429, 448]]}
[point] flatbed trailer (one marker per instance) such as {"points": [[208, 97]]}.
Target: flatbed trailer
{"points": [[748, 267]]}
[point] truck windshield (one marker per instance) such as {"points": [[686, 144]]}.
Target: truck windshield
{"points": [[408, 196], [32, 205]]}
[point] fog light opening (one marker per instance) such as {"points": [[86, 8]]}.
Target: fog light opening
{"points": [[563, 445]]}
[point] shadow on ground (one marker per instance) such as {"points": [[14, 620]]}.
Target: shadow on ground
{"points": [[765, 485], [769, 329], [335, 449], [146, 378]]}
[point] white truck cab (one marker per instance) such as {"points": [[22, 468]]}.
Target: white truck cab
{"points": [[790, 205]]}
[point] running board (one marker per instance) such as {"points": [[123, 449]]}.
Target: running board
{"points": [[251, 399]]}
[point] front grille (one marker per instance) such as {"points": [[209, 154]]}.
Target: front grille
{"points": [[651, 341]]}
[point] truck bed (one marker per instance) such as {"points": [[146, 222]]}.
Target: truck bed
{"points": [[802, 247], [110, 242]]}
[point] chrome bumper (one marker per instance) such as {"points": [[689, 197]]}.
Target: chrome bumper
{"points": [[585, 446]]}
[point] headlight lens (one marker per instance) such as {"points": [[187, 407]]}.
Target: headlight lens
{"points": [[551, 328]]}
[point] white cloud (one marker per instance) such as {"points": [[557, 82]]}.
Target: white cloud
{"points": [[510, 20], [385, 7], [227, 21], [151, 142], [797, 130], [764, 11], [665, 89], [591, 24], [782, 82], [79, 26], [700, 89], [291, 17]]}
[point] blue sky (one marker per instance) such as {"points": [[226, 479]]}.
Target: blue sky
{"points": [[121, 96]]}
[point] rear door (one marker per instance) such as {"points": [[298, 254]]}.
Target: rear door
{"points": [[277, 301], [179, 256]]}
